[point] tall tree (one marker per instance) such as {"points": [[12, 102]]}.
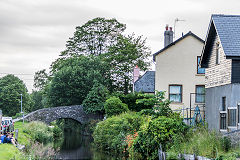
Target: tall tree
{"points": [[104, 38], [124, 56], [94, 37], [11, 88]]}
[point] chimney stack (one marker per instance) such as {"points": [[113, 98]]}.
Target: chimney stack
{"points": [[168, 36], [136, 74]]}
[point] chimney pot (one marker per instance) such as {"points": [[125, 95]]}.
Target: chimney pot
{"points": [[167, 27]]}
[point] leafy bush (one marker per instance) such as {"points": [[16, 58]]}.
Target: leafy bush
{"points": [[131, 99], [38, 131], [94, 102], [57, 132], [114, 106], [161, 105], [161, 130], [17, 115], [111, 134]]}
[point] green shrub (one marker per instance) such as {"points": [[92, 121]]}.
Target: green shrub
{"points": [[111, 133], [226, 144], [94, 102], [38, 131], [161, 130], [161, 105], [17, 115], [131, 99], [114, 106], [148, 112], [57, 132]]}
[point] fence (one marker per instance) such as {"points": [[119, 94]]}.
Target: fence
{"points": [[163, 155], [192, 115]]}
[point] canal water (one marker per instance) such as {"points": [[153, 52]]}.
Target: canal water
{"points": [[76, 146]]}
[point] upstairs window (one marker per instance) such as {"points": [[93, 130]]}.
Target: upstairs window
{"points": [[175, 93], [200, 94], [199, 70], [217, 54]]}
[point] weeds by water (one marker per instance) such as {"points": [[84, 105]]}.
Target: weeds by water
{"points": [[205, 143]]}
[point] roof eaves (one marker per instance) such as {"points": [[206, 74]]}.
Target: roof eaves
{"points": [[173, 43], [202, 64]]}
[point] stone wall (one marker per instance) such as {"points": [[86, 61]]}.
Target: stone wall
{"points": [[234, 137], [47, 115]]}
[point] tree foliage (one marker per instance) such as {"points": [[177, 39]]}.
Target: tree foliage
{"points": [[37, 98], [94, 37], [124, 56], [74, 79], [40, 79], [94, 102], [10, 89], [104, 38]]}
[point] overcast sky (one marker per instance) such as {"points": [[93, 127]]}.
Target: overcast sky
{"points": [[34, 32]]}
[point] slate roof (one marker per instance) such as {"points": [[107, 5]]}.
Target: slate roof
{"points": [[146, 83], [228, 30], [173, 43], [227, 27]]}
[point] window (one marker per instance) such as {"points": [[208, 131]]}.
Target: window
{"points": [[217, 54], [200, 94], [199, 70], [175, 93], [223, 104], [232, 117], [223, 121]]}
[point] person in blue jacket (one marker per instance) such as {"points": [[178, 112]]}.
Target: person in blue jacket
{"points": [[3, 137]]}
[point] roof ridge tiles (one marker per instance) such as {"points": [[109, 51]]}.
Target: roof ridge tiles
{"points": [[224, 15]]}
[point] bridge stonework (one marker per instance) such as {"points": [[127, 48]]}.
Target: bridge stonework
{"points": [[76, 112]]}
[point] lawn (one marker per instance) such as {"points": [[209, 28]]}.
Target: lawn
{"points": [[9, 151]]}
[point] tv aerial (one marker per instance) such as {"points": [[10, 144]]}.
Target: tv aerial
{"points": [[175, 21]]}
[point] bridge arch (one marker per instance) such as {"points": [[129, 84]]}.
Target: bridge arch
{"points": [[76, 112]]}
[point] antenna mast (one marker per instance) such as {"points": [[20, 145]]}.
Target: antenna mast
{"points": [[175, 21]]}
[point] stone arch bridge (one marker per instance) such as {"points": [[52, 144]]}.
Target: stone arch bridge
{"points": [[76, 112]]}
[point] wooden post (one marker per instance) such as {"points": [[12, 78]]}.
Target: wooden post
{"points": [[16, 134]]}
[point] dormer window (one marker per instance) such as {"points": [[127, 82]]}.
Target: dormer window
{"points": [[217, 54]]}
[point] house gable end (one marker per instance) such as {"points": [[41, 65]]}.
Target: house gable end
{"points": [[175, 42]]}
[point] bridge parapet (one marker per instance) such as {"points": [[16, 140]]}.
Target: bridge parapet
{"points": [[76, 112]]}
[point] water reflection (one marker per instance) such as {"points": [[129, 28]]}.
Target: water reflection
{"points": [[76, 146]]}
